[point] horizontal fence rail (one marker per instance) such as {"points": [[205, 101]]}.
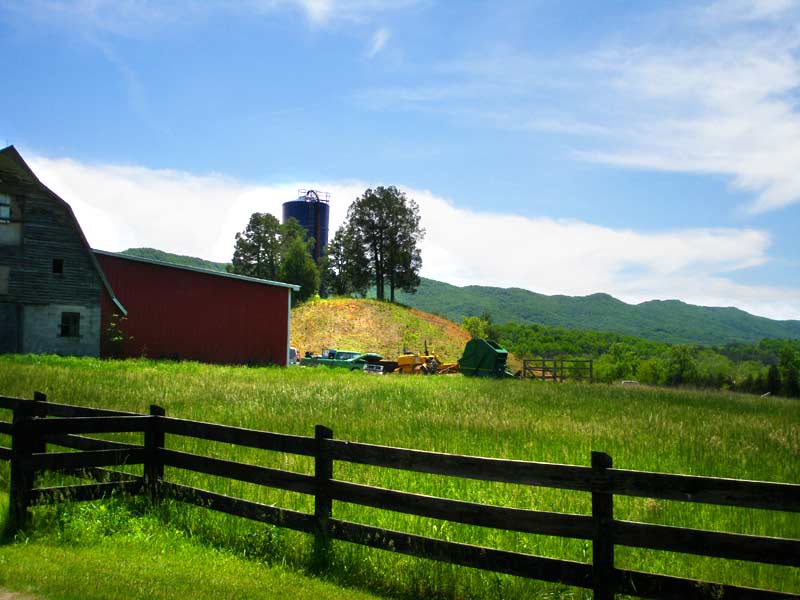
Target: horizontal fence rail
{"points": [[38, 424]]}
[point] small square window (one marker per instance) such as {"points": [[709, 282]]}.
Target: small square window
{"points": [[58, 266], [70, 324], [5, 208]]}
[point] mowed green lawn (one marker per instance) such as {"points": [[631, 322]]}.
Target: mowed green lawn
{"points": [[670, 431]]}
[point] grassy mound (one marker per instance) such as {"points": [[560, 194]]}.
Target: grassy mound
{"points": [[373, 326]]}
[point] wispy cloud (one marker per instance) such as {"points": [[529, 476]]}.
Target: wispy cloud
{"points": [[729, 110], [323, 11], [125, 206], [378, 41], [718, 96], [750, 10]]}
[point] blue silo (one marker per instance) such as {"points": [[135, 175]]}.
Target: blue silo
{"points": [[312, 210]]}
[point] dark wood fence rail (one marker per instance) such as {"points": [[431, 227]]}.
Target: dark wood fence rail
{"points": [[38, 423]]}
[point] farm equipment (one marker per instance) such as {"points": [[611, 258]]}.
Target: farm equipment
{"points": [[344, 359], [424, 364], [481, 358], [484, 358]]}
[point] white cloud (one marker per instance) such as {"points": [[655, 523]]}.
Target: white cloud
{"points": [[126, 206], [318, 11], [726, 110], [749, 10], [322, 11], [378, 41]]}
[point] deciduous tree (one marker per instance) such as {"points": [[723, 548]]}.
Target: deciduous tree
{"points": [[268, 250], [299, 268]]}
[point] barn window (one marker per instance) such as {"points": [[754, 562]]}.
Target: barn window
{"points": [[5, 208], [70, 324], [58, 266]]}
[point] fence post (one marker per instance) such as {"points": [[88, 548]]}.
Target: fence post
{"points": [[323, 472], [40, 410], [591, 371], [23, 445], [153, 466], [603, 576]]}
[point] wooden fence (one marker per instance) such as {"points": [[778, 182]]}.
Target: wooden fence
{"points": [[69, 426], [558, 369]]}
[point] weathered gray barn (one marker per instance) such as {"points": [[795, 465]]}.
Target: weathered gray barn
{"points": [[50, 282]]}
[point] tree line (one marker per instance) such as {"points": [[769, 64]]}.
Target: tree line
{"points": [[376, 247], [769, 366]]}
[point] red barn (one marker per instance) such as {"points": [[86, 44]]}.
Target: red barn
{"points": [[196, 314]]}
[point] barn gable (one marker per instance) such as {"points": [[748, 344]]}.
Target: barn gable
{"points": [[51, 285]]}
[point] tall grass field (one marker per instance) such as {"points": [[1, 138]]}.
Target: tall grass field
{"points": [[670, 431]]}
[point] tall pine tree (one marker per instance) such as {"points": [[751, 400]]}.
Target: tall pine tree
{"points": [[378, 243]]}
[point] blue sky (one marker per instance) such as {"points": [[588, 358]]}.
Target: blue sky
{"points": [[643, 149]]}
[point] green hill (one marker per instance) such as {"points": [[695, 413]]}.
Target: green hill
{"points": [[670, 321], [178, 259]]}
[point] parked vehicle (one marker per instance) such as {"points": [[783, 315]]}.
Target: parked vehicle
{"points": [[294, 358], [346, 359]]}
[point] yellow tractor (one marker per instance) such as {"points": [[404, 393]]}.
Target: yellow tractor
{"points": [[429, 363]]}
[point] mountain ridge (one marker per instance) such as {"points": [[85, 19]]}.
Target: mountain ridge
{"points": [[671, 321]]}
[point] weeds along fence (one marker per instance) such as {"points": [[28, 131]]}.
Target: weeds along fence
{"points": [[38, 424]]}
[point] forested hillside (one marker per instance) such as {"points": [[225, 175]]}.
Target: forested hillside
{"points": [[669, 321], [177, 259]]}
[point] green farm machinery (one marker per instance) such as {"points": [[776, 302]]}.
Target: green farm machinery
{"points": [[484, 358]]}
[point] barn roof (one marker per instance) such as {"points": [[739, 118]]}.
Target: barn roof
{"points": [[14, 169], [161, 263]]}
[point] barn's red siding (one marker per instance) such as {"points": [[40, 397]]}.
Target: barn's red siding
{"points": [[178, 313]]}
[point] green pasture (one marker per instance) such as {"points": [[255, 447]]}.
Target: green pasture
{"points": [[673, 431]]}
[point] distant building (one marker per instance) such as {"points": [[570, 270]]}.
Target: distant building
{"points": [[51, 286], [56, 293]]}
